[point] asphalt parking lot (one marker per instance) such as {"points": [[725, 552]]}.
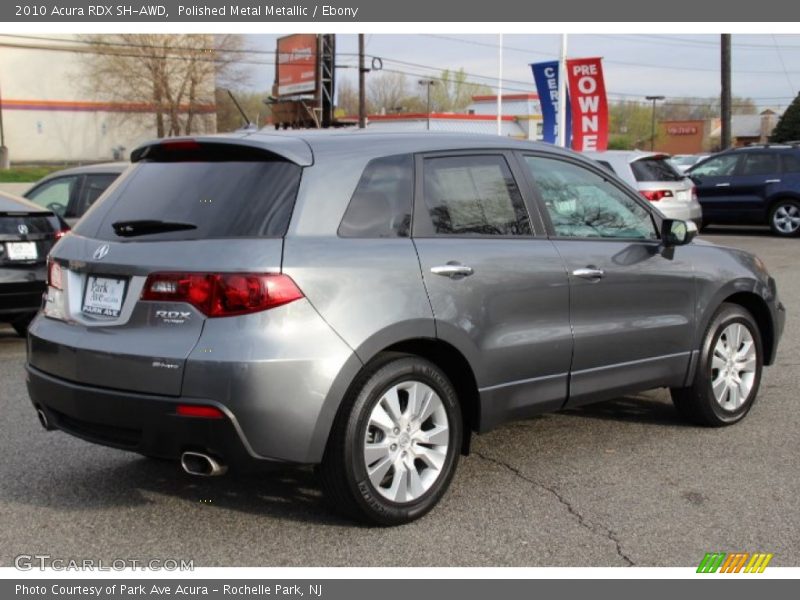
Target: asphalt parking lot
{"points": [[614, 484]]}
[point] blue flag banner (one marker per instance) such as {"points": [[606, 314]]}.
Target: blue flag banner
{"points": [[545, 74]]}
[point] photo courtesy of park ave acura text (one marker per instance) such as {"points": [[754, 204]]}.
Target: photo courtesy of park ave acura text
{"points": [[272, 296]]}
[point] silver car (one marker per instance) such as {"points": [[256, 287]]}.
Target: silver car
{"points": [[367, 302], [656, 179]]}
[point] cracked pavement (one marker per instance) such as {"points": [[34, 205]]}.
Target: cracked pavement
{"points": [[621, 483]]}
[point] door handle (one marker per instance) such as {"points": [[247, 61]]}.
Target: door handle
{"points": [[453, 271], [772, 181], [589, 273], [723, 185]]}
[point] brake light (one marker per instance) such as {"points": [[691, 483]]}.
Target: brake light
{"points": [[62, 232], [54, 275], [656, 195], [694, 193], [223, 294], [180, 145], [197, 410]]}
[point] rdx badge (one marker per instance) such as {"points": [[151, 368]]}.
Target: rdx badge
{"points": [[173, 316]]}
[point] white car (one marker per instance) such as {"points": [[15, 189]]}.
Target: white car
{"points": [[653, 176]]}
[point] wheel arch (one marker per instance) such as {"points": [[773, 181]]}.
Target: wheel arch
{"points": [[757, 307]]}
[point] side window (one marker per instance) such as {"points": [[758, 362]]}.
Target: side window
{"points": [[93, 187], [721, 166], [760, 163], [583, 204], [381, 205], [55, 194], [473, 195], [791, 162]]}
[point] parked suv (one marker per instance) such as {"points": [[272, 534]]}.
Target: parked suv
{"points": [[71, 192], [365, 302], [752, 185], [656, 179], [27, 233]]}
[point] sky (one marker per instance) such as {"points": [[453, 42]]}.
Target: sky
{"points": [[765, 67]]}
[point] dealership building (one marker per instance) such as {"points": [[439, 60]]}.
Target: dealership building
{"points": [[50, 115]]}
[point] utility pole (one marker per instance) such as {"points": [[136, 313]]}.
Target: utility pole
{"points": [[562, 93], [4, 161], [362, 92], [653, 99], [725, 98], [428, 83]]}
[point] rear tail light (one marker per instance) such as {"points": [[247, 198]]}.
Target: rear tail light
{"points": [[223, 294], [694, 193], [54, 275], [62, 232], [199, 410], [656, 195]]}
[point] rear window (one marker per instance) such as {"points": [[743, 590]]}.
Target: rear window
{"points": [[33, 224], [219, 199], [654, 169]]}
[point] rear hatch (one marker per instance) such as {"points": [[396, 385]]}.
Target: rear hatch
{"points": [[657, 179], [188, 211]]}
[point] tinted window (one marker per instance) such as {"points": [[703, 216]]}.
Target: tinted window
{"points": [[654, 169], [222, 199], [791, 162], [93, 187], [381, 204], [760, 163], [720, 166], [473, 195], [583, 204], [55, 194]]}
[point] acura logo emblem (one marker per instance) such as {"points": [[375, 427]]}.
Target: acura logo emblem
{"points": [[101, 252], [23, 229]]}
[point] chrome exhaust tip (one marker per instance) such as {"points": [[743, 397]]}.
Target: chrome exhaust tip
{"points": [[197, 463], [43, 420]]}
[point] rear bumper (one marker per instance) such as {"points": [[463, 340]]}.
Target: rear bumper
{"points": [[141, 423], [20, 298]]}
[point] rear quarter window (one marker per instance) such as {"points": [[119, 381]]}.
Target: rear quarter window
{"points": [[654, 169], [225, 199]]}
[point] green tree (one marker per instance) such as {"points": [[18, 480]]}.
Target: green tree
{"points": [[228, 116], [788, 127], [452, 92]]}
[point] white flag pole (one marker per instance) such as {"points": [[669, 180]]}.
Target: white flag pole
{"points": [[500, 85], [562, 93]]}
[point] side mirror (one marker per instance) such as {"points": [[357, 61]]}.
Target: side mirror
{"points": [[675, 232]]}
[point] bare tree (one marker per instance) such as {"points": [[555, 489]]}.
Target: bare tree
{"points": [[386, 92], [453, 92], [171, 76], [346, 98]]}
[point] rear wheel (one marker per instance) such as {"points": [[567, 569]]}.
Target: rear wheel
{"points": [[729, 372], [395, 444], [784, 218]]}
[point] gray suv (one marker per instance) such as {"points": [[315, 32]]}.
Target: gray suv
{"points": [[366, 302]]}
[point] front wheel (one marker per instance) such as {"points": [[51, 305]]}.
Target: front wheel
{"points": [[784, 218], [729, 372], [394, 446]]}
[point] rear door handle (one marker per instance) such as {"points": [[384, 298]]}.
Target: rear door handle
{"points": [[772, 181], [723, 185], [453, 271], [589, 273]]}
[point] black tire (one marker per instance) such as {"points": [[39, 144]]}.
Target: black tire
{"points": [[782, 207], [343, 472], [20, 325], [697, 403]]}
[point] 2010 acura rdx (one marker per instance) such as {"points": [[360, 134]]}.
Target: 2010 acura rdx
{"points": [[364, 302]]}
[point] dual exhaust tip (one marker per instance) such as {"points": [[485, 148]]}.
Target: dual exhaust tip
{"points": [[194, 463], [198, 463]]}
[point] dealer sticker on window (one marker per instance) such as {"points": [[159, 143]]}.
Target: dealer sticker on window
{"points": [[104, 296]]}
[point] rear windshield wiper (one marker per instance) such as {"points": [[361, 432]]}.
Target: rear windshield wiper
{"points": [[148, 226]]}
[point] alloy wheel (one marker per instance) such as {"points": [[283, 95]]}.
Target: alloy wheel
{"points": [[733, 366]]}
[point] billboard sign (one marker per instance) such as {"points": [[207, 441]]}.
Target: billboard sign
{"points": [[296, 71]]}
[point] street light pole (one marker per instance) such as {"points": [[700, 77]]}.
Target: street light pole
{"points": [[428, 83], [653, 99]]}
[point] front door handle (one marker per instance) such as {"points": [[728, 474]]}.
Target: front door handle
{"points": [[723, 185], [772, 181], [589, 273], [452, 270]]}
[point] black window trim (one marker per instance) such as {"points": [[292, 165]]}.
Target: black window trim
{"points": [[421, 222], [611, 178]]}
